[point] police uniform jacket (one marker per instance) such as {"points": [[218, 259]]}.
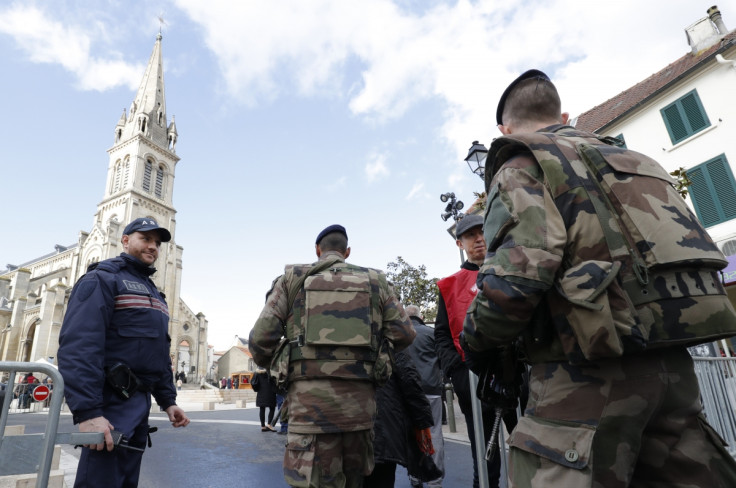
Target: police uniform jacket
{"points": [[115, 315]]}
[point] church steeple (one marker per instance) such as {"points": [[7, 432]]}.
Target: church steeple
{"points": [[147, 115], [140, 177]]}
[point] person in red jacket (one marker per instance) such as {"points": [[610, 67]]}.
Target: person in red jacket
{"points": [[456, 293]]}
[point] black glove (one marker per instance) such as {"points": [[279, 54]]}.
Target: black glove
{"points": [[479, 362]]}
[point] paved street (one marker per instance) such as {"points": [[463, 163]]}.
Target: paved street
{"points": [[226, 448]]}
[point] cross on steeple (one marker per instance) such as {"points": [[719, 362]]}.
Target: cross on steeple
{"points": [[161, 22]]}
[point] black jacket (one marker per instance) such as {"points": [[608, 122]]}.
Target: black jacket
{"points": [[265, 390], [424, 354], [402, 407]]}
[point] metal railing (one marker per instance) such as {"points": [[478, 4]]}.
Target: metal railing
{"points": [[21, 454], [717, 379], [7, 451]]}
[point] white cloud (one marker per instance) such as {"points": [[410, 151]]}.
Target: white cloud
{"points": [[376, 167], [52, 42], [337, 185], [416, 191], [461, 53]]}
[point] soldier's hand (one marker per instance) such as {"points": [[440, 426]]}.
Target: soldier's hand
{"points": [[177, 416], [479, 362], [98, 424]]}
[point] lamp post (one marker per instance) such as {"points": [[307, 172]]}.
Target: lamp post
{"points": [[452, 209], [476, 159]]}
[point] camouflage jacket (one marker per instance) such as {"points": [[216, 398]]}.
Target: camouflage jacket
{"points": [[322, 397], [573, 288]]}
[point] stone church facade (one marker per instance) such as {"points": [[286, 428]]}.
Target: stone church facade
{"points": [[140, 183]]}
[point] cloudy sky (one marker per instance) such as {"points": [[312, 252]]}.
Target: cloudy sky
{"points": [[294, 115]]}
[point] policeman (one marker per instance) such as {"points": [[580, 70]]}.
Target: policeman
{"points": [[114, 353], [599, 268], [340, 320]]}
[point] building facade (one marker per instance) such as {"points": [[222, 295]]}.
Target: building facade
{"points": [[684, 116], [140, 183]]}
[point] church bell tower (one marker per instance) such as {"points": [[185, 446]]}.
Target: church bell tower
{"points": [[140, 180]]}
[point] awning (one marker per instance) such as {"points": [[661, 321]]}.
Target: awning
{"points": [[729, 273]]}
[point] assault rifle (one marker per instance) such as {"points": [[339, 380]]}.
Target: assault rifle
{"points": [[501, 383]]}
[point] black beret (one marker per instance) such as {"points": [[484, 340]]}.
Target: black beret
{"points": [[330, 230], [532, 73]]}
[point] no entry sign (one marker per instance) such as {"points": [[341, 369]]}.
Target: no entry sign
{"points": [[41, 393]]}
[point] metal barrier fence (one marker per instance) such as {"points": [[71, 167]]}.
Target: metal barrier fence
{"points": [[717, 378], [14, 451]]}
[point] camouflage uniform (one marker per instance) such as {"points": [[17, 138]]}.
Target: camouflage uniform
{"points": [[331, 392], [614, 400]]}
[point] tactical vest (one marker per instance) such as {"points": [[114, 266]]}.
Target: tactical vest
{"points": [[336, 328], [650, 280]]}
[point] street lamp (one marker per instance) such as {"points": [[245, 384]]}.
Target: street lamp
{"points": [[452, 209], [477, 159]]}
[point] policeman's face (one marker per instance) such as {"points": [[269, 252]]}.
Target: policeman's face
{"points": [[473, 243], [143, 245]]}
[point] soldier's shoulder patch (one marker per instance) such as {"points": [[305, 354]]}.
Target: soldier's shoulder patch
{"points": [[85, 289]]}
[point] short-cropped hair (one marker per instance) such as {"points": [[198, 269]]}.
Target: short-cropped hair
{"points": [[533, 100], [334, 241]]}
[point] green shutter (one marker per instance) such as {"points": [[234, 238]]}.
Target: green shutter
{"points": [[694, 112], [705, 205], [620, 137], [685, 117], [675, 124], [713, 191], [722, 179]]}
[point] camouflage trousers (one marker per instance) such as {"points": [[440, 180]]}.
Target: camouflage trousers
{"points": [[627, 422], [328, 460]]}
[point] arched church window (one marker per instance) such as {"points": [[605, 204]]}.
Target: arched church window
{"points": [[126, 172], [147, 170], [160, 182], [118, 135], [116, 177]]}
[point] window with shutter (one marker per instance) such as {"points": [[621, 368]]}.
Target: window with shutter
{"points": [[116, 183], [713, 191], [685, 117], [126, 173], [160, 181], [620, 137], [147, 170]]}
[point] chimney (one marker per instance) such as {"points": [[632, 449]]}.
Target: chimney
{"points": [[715, 17], [705, 32]]}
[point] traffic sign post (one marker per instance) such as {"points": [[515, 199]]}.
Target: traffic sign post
{"points": [[41, 393]]}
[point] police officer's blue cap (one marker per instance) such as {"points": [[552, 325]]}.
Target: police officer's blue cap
{"points": [[466, 223], [144, 224], [527, 75], [330, 230]]}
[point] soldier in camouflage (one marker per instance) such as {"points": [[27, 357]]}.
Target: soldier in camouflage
{"points": [[340, 321], [599, 269]]}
